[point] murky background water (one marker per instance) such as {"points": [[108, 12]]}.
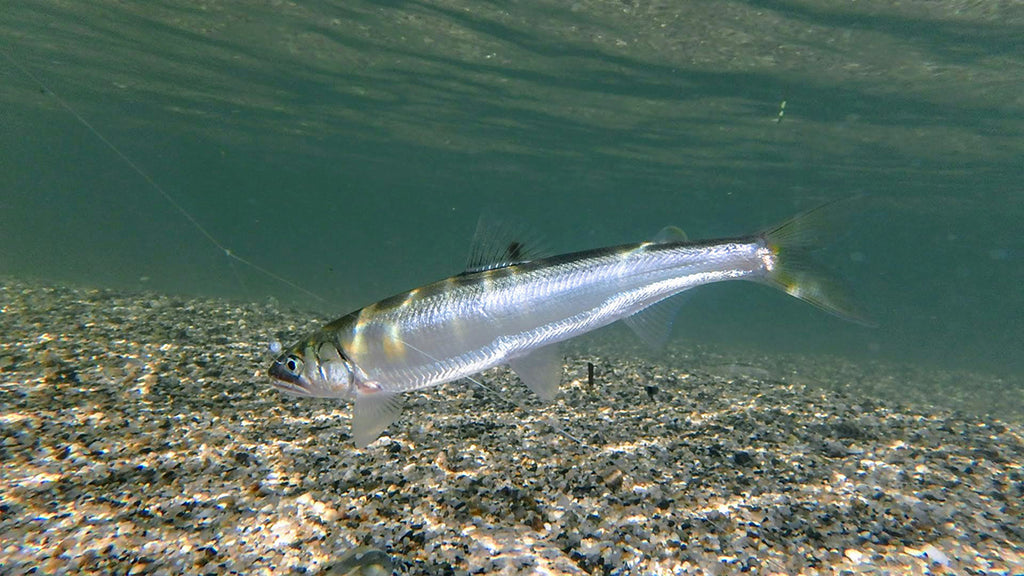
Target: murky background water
{"points": [[351, 146]]}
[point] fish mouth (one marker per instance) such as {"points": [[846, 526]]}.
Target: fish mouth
{"points": [[285, 381], [288, 388]]}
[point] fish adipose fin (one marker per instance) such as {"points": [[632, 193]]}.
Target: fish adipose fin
{"points": [[373, 412], [670, 234], [795, 271], [541, 370]]}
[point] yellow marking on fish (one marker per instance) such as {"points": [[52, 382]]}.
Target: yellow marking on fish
{"points": [[357, 345], [410, 298], [625, 256], [488, 280], [392, 343]]}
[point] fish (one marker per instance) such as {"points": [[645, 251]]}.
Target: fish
{"points": [[513, 307]]}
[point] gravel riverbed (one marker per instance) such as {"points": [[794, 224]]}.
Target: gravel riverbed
{"points": [[139, 435]]}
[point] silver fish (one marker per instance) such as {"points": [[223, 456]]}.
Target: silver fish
{"points": [[514, 310]]}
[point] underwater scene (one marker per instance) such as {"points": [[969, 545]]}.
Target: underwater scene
{"points": [[585, 287]]}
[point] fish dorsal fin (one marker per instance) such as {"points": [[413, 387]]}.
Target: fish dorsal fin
{"points": [[670, 234], [654, 324], [541, 370], [374, 411], [497, 244]]}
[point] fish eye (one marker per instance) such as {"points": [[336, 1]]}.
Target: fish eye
{"points": [[293, 364]]}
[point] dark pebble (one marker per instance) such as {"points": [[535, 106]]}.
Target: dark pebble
{"points": [[742, 458]]}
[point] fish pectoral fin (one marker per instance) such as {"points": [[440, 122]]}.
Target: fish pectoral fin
{"points": [[541, 370], [374, 411], [654, 324]]}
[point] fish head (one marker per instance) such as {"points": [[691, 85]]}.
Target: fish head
{"points": [[313, 369]]}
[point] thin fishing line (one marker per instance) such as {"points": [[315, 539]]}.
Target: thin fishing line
{"points": [[241, 280], [153, 184]]}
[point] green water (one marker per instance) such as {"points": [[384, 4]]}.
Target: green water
{"points": [[351, 146]]}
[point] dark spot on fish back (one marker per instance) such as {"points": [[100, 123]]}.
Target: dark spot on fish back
{"points": [[514, 252]]}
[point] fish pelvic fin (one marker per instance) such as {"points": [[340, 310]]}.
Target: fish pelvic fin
{"points": [[541, 370], [372, 413], [796, 272]]}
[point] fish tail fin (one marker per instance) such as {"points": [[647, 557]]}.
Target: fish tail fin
{"points": [[796, 273]]}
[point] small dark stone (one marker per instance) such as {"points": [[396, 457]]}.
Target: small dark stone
{"points": [[742, 458], [651, 391], [208, 551], [834, 449], [65, 375], [847, 429]]}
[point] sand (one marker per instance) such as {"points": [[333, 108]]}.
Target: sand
{"points": [[138, 435]]}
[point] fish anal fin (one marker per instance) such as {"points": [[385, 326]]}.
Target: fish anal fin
{"points": [[373, 412], [541, 370], [654, 324]]}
